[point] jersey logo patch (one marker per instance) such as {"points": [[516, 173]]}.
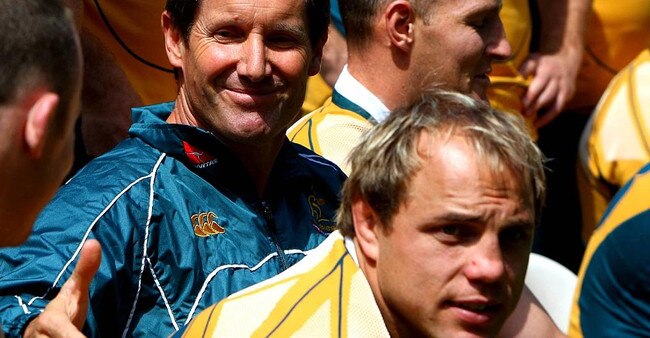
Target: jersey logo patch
{"points": [[198, 157], [322, 214], [205, 224]]}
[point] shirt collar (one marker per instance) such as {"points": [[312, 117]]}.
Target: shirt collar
{"points": [[349, 245], [346, 85]]}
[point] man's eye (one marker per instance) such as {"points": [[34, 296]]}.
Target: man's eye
{"points": [[477, 24], [282, 41], [451, 230], [516, 236], [226, 35], [454, 234]]}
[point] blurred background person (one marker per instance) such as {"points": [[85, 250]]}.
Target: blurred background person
{"points": [[617, 31], [616, 142], [40, 86]]}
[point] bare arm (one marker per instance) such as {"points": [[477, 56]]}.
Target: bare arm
{"points": [[558, 61]]}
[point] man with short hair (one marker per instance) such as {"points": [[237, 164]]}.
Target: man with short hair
{"points": [[207, 196], [39, 104], [396, 50], [436, 222], [40, 85]]}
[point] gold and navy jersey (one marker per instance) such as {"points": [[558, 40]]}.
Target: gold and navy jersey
{"points": [[616, 142], [612, 298], [332, 130], [130, 30], [323, 295], [617, 31]]}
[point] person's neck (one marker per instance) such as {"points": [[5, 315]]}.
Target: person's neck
{"points": [[258, 160], [19, 207], [381, 76]]}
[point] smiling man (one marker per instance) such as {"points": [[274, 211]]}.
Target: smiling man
{"points": [[207, 196], [436, 226]]}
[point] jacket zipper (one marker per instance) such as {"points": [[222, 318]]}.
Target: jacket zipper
{"points": [[270, 222]]}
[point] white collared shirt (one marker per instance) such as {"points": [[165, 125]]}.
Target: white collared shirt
{"points": [[347, 85]]}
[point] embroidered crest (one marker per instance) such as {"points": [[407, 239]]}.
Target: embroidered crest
{"points": [[322, 214], [205, 224]]}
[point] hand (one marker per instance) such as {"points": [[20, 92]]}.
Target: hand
{"points": [[65, 315], [553, 84]]}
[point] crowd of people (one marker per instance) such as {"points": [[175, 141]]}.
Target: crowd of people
{"points": [[322, 168]]}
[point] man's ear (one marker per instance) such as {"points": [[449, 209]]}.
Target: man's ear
{"points": [[317, 58], [367, 226], [39, 120], [400, 20], [174, 41]]}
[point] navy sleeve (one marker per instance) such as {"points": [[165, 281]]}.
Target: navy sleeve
{"points": [[615, 295]]}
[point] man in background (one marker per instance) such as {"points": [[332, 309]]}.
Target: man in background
{"points": [[396, 50]]}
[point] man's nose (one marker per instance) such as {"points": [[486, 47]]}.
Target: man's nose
{"points": [[486, 263], [253, 63], [499, 48]]}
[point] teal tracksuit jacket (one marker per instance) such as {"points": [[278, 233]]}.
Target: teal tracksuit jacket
{"points": [[180, 224]]}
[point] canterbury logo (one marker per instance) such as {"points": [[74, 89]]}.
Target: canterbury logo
{"points": [[205, 224]]}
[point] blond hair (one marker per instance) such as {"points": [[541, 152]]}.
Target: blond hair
{"points": [[386, 159]]}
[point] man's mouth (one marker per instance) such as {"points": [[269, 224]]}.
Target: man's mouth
{"points": [[477, 313], [254, 96], [482, 307], [255, 91]]}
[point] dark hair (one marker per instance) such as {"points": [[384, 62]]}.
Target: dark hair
{"points": [[38, 44], [358, 16], [183, 13]]}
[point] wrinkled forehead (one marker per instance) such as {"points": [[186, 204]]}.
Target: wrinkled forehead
{"points": [[253, 8]]}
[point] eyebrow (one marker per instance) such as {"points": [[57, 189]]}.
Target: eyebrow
{"points": [[293, 29], [456, 217]]}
